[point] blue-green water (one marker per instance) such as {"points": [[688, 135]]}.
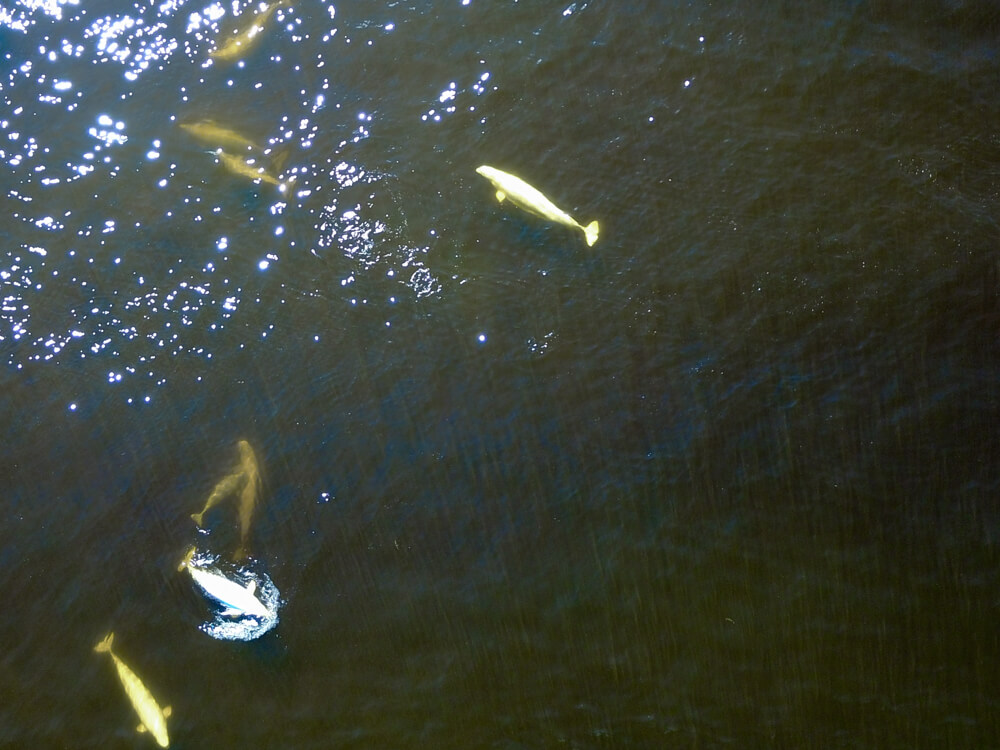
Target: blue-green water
{"points": [[727, 478]]}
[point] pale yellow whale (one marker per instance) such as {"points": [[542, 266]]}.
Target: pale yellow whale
{"points": [[226, 488], [212, 133], [250, 169], [525, 196], [154, 719], [241, 42], [249, 494]]}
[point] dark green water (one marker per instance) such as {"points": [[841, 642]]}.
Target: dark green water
{"points": [[729, 478]]}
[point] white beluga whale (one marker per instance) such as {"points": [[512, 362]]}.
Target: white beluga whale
{"points": [[239, 600], [529, 198]]}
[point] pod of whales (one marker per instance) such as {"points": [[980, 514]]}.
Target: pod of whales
{"points": [[243, 157]]}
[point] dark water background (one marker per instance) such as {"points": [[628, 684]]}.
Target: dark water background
{"points": [[727, 479]]}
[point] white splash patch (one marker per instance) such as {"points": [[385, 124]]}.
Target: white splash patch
{"points": [[248, 627]]}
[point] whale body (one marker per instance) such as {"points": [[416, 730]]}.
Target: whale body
{"points": [[153, 718], [239, 600], [529, 198]]}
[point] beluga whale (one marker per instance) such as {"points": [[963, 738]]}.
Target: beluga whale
{"points": [[239, 600], [241, 42], [252, 170], [524, 196], [152, 718], [211, 132]]}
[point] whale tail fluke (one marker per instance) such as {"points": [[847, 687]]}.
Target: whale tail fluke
{"points": [[105, 645]]}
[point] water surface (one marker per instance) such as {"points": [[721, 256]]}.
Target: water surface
{"points": [[728, 478]]}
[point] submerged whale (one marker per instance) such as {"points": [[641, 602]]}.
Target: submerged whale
{"points": [[248, 496], [241, 42], [220, 136], [250, 169], [153, 718]]}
